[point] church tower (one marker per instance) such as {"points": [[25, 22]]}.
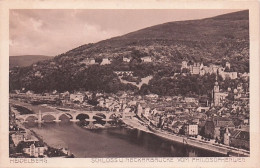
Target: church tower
{"points": [[215, 94], [216, 87]]}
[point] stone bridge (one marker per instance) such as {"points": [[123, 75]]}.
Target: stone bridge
{"points": [[72, 115]]}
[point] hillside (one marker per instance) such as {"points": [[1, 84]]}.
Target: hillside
{"points": [[212, 40], [26, 60]]}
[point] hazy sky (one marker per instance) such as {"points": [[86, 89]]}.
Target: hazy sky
{"points": [[52, 32]]}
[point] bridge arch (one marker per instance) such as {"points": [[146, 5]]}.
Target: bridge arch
{"points": [[68, 115], [30, 118], [20, 118], [111, 115], [44, 117], [82, 116], [99, 117]]}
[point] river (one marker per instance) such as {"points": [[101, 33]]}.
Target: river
{"points": [[109, 142], [113, 142]]}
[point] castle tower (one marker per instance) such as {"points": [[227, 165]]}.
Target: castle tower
{"points": [[226, 137], [184, 64], [228, 65]]}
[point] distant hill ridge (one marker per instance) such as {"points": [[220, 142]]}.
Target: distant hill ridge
{"points": [[26, 60]]}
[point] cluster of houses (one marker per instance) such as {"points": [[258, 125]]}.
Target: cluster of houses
{"points": [[106, 61], [224, 130], [92, 61], [208, 122], [24, 141], [124, 73], [200, 69], [224, 120]]}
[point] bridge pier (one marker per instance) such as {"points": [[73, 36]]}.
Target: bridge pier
{"points": [[107, 124], [74, 120], [91, 124], [57, 120], [38, 121], [39, 125]]}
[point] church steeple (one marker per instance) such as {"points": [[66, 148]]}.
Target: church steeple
{"points": [[215, 93], [216, 86]]}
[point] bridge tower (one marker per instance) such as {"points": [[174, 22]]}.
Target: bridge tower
{"points": [[40, 116]]}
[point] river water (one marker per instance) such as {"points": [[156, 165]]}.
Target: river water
{"points": [[113, 142]]}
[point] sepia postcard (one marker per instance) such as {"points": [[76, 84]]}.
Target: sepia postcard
{"points": [[129, 83]]}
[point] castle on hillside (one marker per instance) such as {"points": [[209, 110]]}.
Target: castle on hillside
{"points": [[200, 69]]}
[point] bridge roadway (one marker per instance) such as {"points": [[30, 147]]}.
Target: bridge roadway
{"points": [[72, 115]]}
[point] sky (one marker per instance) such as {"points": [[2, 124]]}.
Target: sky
{"points": [[55, 31]]}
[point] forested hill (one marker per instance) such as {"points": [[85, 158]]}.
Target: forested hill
{"points": [[212, 40]]}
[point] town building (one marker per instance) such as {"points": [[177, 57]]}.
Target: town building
{"points": [[105, 61], [33, 148], [146, 59], [231, 75], [220, 123], [89, 61], [127, 73], [203, 109], [195, 69], [214, 126], [240, 139], [18, 137], [191, 129], [77, 97], [237, 138], [125, 59], [209, 129]]}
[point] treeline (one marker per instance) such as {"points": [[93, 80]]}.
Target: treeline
{"points": [[189, 85], [73, 77], [93, 78]]}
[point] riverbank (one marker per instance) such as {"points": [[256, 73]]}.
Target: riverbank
{"points": [[218, 148], [194, 142], [137, 124], [51, 150]]}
